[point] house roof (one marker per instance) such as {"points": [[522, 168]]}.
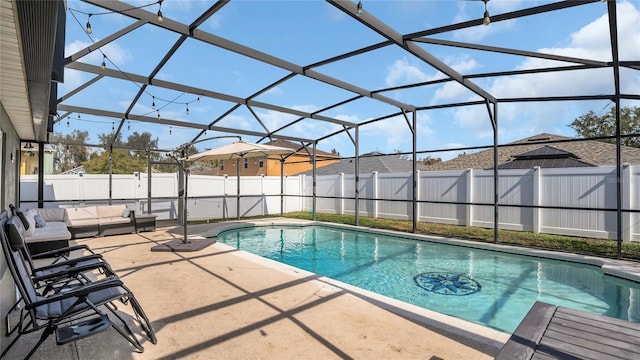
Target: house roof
{"points": [[545, 157], [368, 163], [296, 146], [589, 152]]}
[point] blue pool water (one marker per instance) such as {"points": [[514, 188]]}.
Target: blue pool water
{"points": [[486, 287]]}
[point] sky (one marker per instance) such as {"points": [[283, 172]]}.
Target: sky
{"points": [[306, 32]]}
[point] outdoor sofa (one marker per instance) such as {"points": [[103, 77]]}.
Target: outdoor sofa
{"points": [[52, 228]]}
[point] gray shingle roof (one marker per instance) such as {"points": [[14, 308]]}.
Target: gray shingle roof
{"points": [[368, 163], [544, 157], [591, 152]]}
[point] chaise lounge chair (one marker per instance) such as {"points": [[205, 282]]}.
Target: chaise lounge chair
{"points": [[81, 311]]}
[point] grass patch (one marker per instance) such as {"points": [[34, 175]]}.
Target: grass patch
{"points": [[570, 244]]}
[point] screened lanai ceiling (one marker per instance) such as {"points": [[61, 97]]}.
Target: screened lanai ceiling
{"points": [[341, 73]]}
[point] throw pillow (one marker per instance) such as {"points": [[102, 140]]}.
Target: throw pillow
{"points": [[125, 213], [40, 222], [23, 218], [28, 222]]}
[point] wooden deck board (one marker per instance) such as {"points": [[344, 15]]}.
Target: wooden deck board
{"points": [[551, 332]]}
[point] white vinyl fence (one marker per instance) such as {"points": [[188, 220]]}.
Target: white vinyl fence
{"points": [[444, 197], [210, 197], [593, 187]]}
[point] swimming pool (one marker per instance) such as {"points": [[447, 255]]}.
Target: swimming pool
{"points": [[491, 288]]}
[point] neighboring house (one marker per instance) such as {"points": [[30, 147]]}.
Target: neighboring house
{"points": [[75, 171], [525, 154], [368, 163], [29, 159], [294, 164]]}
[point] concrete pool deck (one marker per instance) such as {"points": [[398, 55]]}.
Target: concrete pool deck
{"points": [[221, 303]]}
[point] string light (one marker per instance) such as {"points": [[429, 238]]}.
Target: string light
{"points": [[128, 125], [158, 114], [88, 28], [198, 100], [187, 108], [160, 18], [359, 7], [153, 104], [89, 31], [113, 128], [68, 123], [170, 130], [486, 20], [104, 64]]}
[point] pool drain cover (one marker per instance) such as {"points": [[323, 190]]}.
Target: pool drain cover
{"points": [[446, 283]]}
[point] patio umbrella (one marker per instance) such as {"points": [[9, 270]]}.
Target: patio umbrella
{"points": [[240, 150], [236, 151]]}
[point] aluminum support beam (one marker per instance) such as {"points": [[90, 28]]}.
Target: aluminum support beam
{"points": [[148, 181], [613, 34], [226, 44], [151, 119], [110, 174], [281, 187], [315, 185], [381, 28], [102, 42], [502, 50], [80, 88], [357, 175], [502, 17], [496, 198], [414, 171], [193, 90]]}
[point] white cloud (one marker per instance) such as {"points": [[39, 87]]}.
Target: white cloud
{"points": [[401, 72], [463, 63], [589, 42], [113, 51], [72, 79], [275, 91], [393, 134]]}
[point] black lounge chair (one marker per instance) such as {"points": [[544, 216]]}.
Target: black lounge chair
{"points": [[73, 314], [58, 275]]}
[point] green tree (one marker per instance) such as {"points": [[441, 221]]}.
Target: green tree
{"points": [[123, 163], [141, 141], [593, 125], [69, 150], [105, 140]]}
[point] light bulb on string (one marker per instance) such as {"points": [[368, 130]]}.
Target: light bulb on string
{"points": [[104, 64], [158, 114], [89, 31], [113, 128], [153, 104], [68, 123], [128, 125], [187, 108], [486, 20], [160, 18], [198, 100], [170, 130], [359, 7]]}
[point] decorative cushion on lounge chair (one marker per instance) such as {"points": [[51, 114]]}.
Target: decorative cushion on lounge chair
{"points": [[40, 221]]}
